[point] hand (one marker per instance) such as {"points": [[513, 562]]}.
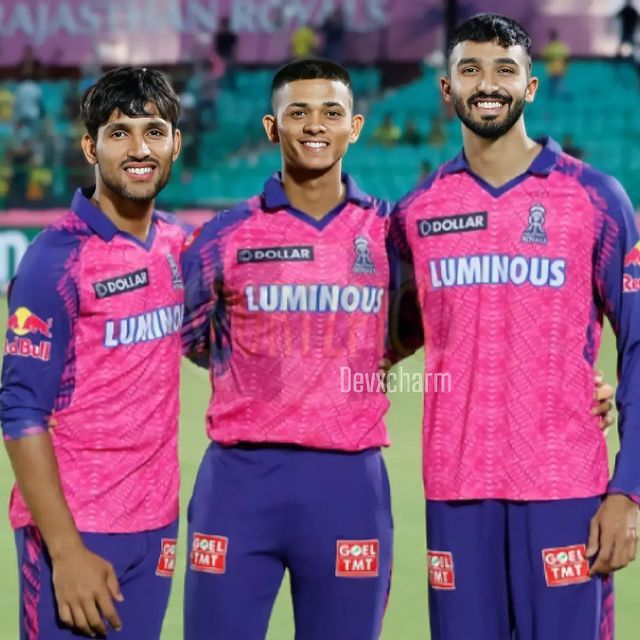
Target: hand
{"points": [[613, 534], [85, 586], [383, 369], [603, 395]]}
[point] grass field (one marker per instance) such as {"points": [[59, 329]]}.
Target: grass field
{"points": [[406, 617]]}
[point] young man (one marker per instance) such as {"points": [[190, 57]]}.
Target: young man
{"points": [[94, 334], [518, 251], [287, 289], [294, 285]]}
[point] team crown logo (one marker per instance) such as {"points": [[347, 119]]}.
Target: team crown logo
{"points": [[176, 278], [363, 262], [534, 233]]}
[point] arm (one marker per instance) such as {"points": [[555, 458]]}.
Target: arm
{"points": [[404, 329], [613, 531], [42, 308]]}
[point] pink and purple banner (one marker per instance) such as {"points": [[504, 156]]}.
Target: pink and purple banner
{"points": [[78, 32]]}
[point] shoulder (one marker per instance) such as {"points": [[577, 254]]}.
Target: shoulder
{"points": [[419, 191], [605, 192]]}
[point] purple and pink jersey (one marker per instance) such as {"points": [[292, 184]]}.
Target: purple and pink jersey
{"points": [[513, 283], [93, 337], [292, 309]]}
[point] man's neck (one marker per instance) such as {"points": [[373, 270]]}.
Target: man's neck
{"points": [[131, 216], [314, 194], [499, 161]]}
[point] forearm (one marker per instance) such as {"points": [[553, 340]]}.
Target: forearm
{"points": [[36, 471]]}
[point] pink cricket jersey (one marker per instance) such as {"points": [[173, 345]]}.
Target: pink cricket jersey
{"points": [[94, 336], [513, 283], [294, 312]]}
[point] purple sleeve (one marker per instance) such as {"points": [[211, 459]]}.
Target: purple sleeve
{"points": [[405, 333], [206, 323], [38, 342], [199, 295], [617, 287]]}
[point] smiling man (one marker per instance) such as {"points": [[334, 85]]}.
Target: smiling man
{"points": [[287, 289], [518, 251], [94, 334]]}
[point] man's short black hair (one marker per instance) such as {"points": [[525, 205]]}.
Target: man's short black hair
{"points": [[310, 69], [490, 27], [129, 90]]}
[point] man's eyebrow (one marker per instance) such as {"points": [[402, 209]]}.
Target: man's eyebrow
{"points": [[157, 123], [505, 61]]}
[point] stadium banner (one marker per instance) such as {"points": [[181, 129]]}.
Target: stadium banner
{"points": [[81, 32], [19, 227]]}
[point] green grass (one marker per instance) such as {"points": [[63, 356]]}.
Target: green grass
{"points": [[406, 617]]}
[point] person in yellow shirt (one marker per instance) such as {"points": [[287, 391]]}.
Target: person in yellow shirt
{"points": [[556, 56], [304, 43]]}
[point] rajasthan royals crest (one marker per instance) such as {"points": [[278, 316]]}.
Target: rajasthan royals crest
{"points": [[535, 233], [176, 278], [363, 262]]}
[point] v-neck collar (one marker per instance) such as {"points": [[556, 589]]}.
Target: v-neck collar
{"points": [[100, 223], [542, 165], [274, 198]]}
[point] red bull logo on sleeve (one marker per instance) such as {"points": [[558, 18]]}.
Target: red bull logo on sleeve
{"points": [[23, 323], [633, 257]]}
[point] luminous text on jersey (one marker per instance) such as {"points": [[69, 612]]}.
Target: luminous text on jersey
{"points": [[314, 298], [497, 269], [144, 327]]}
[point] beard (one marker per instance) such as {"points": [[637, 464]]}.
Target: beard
{"points": [[143, 193], [489, 127]]}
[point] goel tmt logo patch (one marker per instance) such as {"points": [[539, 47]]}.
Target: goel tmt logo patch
{"points": [[167, 560], [209, 553], [297, 253], [121, 284], [459, 223], [357, 558], [25, 324], [441, 572], [565, 565]]}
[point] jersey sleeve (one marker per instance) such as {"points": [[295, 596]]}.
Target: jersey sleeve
{"points": [[617, 286], [200, 294], [39, 337], [405, 332]]}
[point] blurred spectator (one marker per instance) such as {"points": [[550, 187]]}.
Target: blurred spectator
{"points": [[6, 104], [556, 56], [388, 133], [628, 17], [29, 64], [437, 136], [411, 134], [28, 107], [570, 147], [332, 31], [636, 56], [226, 42], [304, 43], [40, 179], [426, 169], [20, 152]]}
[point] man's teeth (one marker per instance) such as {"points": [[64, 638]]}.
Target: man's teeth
{"points": [[315, 145], [489, 105], [140, 170]]}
